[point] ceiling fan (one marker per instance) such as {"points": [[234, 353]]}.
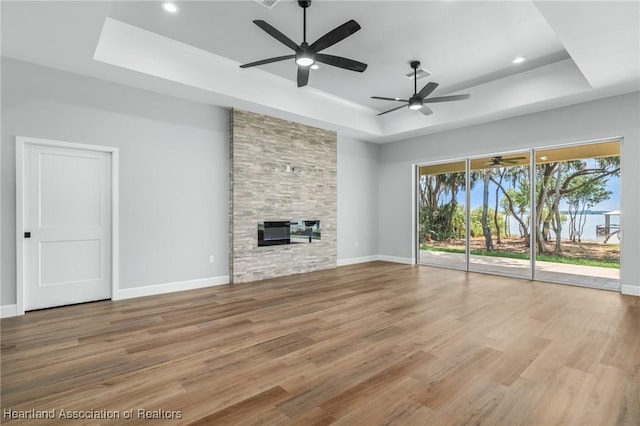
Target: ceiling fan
{"points": [[499, 161], [307, 54], [419, 99]]}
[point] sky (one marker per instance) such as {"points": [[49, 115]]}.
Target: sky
{"points": [[613, 185]]}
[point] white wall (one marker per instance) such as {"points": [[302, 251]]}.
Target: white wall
{"points": [[357, 200], [173, 170], [616, 116]]}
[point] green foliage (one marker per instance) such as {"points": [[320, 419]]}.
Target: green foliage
{"points": [[443, 223], [615, 264], [441, 218], [578, 183], [520, 197], [475, 227], [588, 194]]}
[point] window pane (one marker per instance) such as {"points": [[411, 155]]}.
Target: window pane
{"points": [[578, 215], [441, 225], [499, 217]]}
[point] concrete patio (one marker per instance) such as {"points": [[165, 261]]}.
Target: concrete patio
{"points": [[588, 276]]}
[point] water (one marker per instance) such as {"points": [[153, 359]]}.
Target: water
{"points": [[589, 234]]}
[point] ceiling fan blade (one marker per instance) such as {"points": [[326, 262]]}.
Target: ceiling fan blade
{"points": [[340, 62], [426, 90], [390, 99], [447, 98], [426, 110], [273, 32], [335, 35], [267, 61], [303, 76], [391, 110]]}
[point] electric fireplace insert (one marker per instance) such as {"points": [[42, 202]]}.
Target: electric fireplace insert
{"points": [[278, 232]]}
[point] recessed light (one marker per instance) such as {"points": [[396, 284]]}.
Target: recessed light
{"points": [[170, 7], [315, 66], [544, 158], [519, 60]]}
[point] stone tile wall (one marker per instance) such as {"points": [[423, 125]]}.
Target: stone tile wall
{"points": [[280, 170]]}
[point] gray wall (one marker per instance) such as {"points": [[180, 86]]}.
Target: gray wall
{"points": [[173, 173], [357, 200], [174, 165], [173, 169], [281, 170], [616, 116]]}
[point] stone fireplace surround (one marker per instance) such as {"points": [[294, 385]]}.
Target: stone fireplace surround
{"points": [[279, 169]]}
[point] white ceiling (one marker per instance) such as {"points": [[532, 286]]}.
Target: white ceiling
{"points": [[576, 51]]}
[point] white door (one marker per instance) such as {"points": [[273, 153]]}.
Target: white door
{"points": [[67, 225]]}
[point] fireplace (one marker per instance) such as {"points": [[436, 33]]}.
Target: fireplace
{"points": [[271, 233], [295, 231]]}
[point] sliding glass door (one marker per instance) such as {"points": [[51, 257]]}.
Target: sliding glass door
{"points": [[492, 214], [577, 222], [441, 215], [499, 215]]}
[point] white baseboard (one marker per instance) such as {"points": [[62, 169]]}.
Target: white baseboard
{"points": [[150, 290], [354, 260], [394, 259], [630, 290], [384, 258], [8, 311]]}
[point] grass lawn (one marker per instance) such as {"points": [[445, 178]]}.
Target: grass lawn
{"points": [[542, 257]]}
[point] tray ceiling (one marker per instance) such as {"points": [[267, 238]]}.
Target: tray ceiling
{"points": [[468, 46]]}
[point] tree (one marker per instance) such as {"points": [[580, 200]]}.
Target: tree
{"points": [[543, 179], [499, 173], [560, 180], [440, 214], [555, 208], [581, 201], [517, 200], [578, 182], [507, 216], [486, 231], [475, 221]]}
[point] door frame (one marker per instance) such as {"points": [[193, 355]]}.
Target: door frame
{"points": [[21, 142]]}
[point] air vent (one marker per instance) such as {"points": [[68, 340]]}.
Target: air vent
{"points": [[269, 4], [421, 74]]}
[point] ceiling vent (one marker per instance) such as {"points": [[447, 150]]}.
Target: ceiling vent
{"points": [[420, 73], [269, 4]]}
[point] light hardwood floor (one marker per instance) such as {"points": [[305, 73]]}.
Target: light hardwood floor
{"points": [[370, 344]]}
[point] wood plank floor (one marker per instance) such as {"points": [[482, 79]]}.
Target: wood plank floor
{"points": [[370, 344]]}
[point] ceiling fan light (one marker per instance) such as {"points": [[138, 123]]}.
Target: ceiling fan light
{"points": [[415, 104], [304, 61], [305, 57]]}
